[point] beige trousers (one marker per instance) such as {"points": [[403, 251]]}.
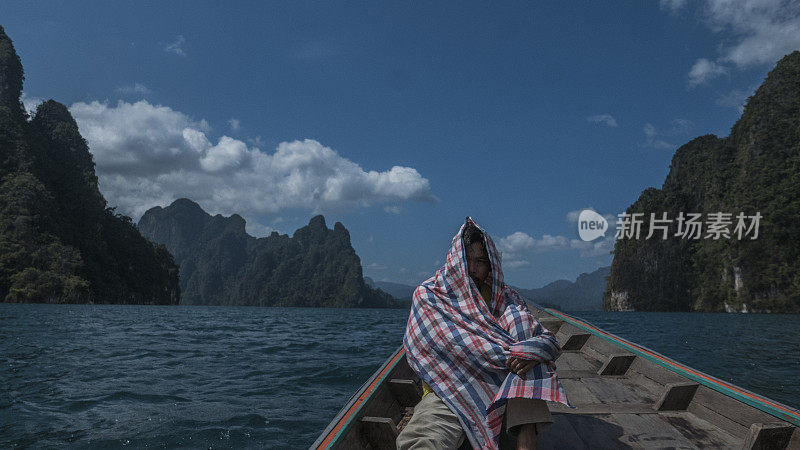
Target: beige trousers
{"points": [[434, 426]]}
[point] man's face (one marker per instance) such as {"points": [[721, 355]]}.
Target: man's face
{"points": [[478, 264]]}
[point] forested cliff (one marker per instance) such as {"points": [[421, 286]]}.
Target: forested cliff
{"points": [[59, 243], [221, 264], [756, 169]]}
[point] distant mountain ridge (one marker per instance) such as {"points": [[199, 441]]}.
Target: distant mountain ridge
{"points": [[402, 292], [220, 264], [585, 294]]}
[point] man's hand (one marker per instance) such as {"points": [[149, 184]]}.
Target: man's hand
{"points": [[520, 366]]}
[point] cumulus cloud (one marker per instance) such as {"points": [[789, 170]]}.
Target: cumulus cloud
{"points": [[704, 70], [672, 5], [736, 98], [176, 46], [254, 228], [572, 216], [148, 155], [516, 264], [655, 138], [520, 242], [653, 141], [764, 30], [235, 124], [753, 32], [518, 247], [133, 89], [681, 126], [30, 103], [258, 141], [605, 119], [600, 247]]}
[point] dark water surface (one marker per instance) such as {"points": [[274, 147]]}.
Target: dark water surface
{"points": [[216, 377]]}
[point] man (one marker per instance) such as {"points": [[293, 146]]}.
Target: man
{"points": [[485, 361]]}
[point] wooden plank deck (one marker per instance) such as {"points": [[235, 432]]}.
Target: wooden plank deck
{"points": [[626, 396]]}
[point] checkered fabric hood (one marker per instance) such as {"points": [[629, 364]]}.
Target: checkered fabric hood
{"points": [[459, 345]]}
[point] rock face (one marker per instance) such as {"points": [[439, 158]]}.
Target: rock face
{"points": [[754, 170], [220, 264], [59, 243]]}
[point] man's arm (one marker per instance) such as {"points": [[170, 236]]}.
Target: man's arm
{"points": [[538, 349], [542, 346]]}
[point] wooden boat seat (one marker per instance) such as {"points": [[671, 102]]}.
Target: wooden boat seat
{"points": [[626, 396], [405, 391]]}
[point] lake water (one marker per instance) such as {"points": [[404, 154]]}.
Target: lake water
{"points": [[119, 376]]}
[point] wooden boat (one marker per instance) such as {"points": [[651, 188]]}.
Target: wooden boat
{"points": [[627, 396]]}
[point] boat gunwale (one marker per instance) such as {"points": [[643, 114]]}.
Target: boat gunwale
{"points": [[343, 421], [341, 424], [769, 406]]}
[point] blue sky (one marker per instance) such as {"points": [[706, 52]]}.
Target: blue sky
{"points": [[397, 118]]}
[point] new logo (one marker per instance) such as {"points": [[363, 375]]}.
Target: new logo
{"points": [[591, 225]]}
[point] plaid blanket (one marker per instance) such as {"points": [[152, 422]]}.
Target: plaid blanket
{"points": [[459, 345]]}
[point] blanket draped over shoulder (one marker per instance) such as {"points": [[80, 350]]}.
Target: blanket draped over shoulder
{"points": [[459, 345]]}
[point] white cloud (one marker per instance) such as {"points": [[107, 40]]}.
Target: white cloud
{"points": [[227, 154], [681, 126], [653, 141], [599, 247], [704, 70], [572, 216], [254, 228], [516, 264], [518, 247], [735, 98], [518, 244], [763, 30], [256, 142], [135, 88], [672, 5], [176, 47], [375, 266], [235, 124], [654, 138], [140, 139], [392, 209], [753, 32], [148, 155], [30, 103], [605, 119]]}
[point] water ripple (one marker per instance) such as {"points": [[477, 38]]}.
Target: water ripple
{"points": [[186, 377]]}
